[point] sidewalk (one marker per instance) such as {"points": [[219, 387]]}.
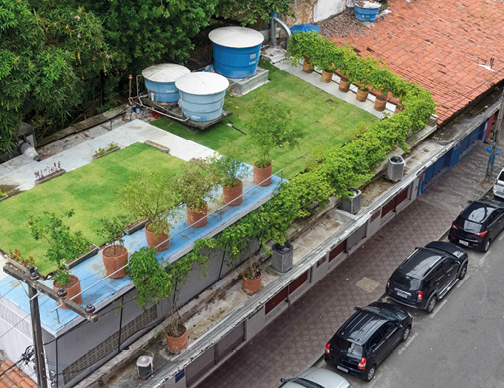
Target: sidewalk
{"points": [[299, 335]]}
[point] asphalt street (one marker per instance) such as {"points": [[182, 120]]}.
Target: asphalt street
{"points": [[461, 344]]}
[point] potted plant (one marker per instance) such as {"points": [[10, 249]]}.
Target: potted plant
{"points": [[301, 47], [230, 170], [152, 196], [330, 60], [62, 244], [361, 76], [115, 255], [346, 64], [251, 276], [196, 185], [269, 128], [382, 80]]}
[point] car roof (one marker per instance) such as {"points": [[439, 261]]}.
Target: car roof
{"points": [[360, 326], [418, 264], [324, 378], [478, 211]]}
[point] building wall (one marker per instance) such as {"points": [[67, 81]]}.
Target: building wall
{"points": [[313, 11]]}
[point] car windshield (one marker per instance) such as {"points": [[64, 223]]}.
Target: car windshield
{"points": [[468, 226], [351, 348], [382, 313], [405, 281], [302, 382]]}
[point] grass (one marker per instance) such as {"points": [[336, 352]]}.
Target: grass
{"points": [[89, 190], [327, 121]]}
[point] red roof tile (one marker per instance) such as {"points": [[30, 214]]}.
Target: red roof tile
{"points": [[15, 377], [440, 45]]}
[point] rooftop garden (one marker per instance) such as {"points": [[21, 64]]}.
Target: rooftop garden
{"points": [[326, 121], [91, 191]]}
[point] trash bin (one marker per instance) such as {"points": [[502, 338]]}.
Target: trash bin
{"points": [[352, 203], [282, 257]]}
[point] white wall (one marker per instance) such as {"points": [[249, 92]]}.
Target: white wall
{"points": [[326, 8]]}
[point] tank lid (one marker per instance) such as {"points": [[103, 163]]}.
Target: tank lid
{"points": [[164, 72], [202, 83], [237, 37]]}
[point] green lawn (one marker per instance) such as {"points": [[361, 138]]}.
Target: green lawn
{"points": [[327, 121], [89, 190]]}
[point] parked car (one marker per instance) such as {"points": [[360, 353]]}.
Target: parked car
{"points": [[427, 275], [478, 225], [366, 339], [498, 188], [316, 378]]}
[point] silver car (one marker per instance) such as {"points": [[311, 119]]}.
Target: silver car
{"points": [[316, 378], [498, 188]]}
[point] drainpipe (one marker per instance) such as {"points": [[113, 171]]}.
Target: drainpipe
{"points": [[273, 22]]}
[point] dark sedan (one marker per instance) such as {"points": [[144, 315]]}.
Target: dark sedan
{"points": [[478, 225]]}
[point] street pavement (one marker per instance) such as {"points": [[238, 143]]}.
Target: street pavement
{"points": [[296, 339]]}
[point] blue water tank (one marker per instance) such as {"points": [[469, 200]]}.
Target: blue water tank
{"points": [[202, 95], [160, 81], [236, 51]]}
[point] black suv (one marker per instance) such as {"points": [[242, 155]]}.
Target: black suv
{"points": [[478, 225], [363, 342], [427, 275]]}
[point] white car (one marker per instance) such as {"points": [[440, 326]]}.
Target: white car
{"points": [[498, 188], [316, 378]]}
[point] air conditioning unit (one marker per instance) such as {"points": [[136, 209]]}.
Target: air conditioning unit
{"points": [[282, 256], [352, 203], [395, 168], [144, 366]]}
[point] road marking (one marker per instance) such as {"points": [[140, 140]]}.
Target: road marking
{"points": [[376, 380], [501, 237], [438, 308], [408, 343], [462, 281], [482, 260]]}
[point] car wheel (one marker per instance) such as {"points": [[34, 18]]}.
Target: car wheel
{"points": [[432, 305], [406, 334], [486, 247], [370, 373], [463, 272]]}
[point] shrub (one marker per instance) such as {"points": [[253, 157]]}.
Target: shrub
{"points": [[113, 230], [228, 167]]}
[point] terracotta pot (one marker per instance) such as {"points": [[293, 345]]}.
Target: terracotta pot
{"points": [[154, 241], [251, 286], [380, 103], [344, 85], [307, 67], [399, 108], [231, 194], [72, 290], [362, 95], [262, 174], [114, 262], [176, 344], [326, 76], [197, 219]]}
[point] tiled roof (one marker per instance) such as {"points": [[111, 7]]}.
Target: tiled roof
{"points": [[440, 45], [15, 377]]}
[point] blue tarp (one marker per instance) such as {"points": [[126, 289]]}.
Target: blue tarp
{"points": [[304, 28]]}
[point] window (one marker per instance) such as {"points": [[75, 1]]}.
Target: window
{"points": [[405, 281], [375, 339], [389, 329]]}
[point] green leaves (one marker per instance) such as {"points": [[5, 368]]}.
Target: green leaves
{"points": [[228, 167], [113, 229]]}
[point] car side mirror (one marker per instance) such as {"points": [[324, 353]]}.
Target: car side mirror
{"points": [[400, 326], [282, 380]]}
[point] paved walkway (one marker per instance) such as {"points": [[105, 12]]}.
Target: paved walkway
{"points": [[296, 339]]}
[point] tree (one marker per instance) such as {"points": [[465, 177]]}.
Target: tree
{"points": [[250, 12]]}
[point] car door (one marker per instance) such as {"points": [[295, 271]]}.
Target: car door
{"points": [[500, 220], [491, 225], [450, 268], [377, 346], [392, 335], [439, 277]]}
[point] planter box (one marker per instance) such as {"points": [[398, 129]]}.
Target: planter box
{"points": [[50, 176], [16, 264], [4, 198], [136, 226], [106, 153], [92, 252]]}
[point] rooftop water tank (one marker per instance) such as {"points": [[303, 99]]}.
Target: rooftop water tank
{"points": [[236, 51], [160, 81], [202, 95]]}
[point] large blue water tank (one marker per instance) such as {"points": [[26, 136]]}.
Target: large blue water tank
{"points": [[160, 81], [236, 51], [202, 95]]}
